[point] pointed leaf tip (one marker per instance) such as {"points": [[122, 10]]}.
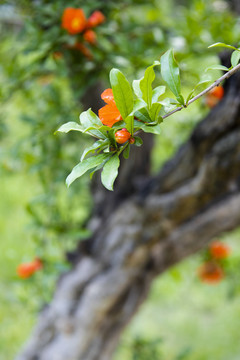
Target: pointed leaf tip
{"points": [[170, 73]]}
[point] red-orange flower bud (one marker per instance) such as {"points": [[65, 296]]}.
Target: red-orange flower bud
{"points": [[122, 136], [73, 20], [90, 36], [218, 250], [95, 19]]}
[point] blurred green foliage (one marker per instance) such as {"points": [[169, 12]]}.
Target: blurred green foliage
{"points": [[40, 92]]}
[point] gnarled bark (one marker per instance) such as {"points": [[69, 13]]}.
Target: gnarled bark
{"points": [[195, 197]]}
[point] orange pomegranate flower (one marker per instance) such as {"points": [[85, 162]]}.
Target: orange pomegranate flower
{"points": [[73, 20], [109, 114], [26, 270], [90, 36], [217, 91], [214, 96], [218, 250], [211, 273], [95, 19]]}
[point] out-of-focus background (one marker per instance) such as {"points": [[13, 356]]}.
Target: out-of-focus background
{"points": [[45, 81]]}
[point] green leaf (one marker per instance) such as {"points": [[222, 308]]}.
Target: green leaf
{"points": [[180, 100], [111, 137], [172, 102], [154, 111], [96, 169], [136, 88], [146, 84], [202, 82], [126, 152], [217, 67], [122, 92], [107, 150], [90, 120], [71, 125], [170, 73], [138, 104], [138, 141], [157, 92], [103, 129], [235, 58], [219, 44], [154, 129], [168, 104], [97, 145], [84, 166], [123, 96], [118, 125], [143, 115], [110, 172], [190, 96]]}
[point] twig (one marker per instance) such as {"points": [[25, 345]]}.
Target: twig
{"points": [[216, 83]]}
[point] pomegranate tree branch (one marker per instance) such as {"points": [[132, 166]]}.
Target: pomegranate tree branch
{"points": [[216, 83]]}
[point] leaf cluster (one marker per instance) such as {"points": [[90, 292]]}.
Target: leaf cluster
{"points": [[141, 110], [141, 107]]}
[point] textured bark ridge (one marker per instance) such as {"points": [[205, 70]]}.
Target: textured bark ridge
{"points": [[195, 197]]}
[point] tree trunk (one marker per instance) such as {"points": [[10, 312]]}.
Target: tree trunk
{"points": [[195, 197]]}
